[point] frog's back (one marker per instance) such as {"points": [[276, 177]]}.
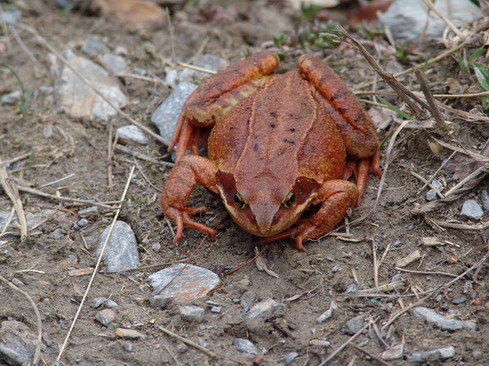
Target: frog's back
{"points": [[281, 132]]}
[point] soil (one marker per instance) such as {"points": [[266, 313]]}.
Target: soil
{"points": [[306, 283]]}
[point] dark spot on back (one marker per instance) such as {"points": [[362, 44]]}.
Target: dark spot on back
{"points": [[255, 147], [273, 114], [273, 125], [342, 110], [292, 129], [289, 141], [335, 96]]}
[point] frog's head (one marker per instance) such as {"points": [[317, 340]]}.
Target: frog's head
{"points": [[263, 206]]}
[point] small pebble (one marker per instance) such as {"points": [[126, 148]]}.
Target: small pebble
{"points": [[393, 353], [459, 300], [115, 63], [185, 283], [129, 333], [436, 184], [88, 212], [93, 46], [328, 313], [431, 195], [182, 348], [354, 325], [245, 346], [290, 357], [18, 282], [121, 251], [133, 133], [436, 354], [160, 301], [216, 309], [105, 317], [80, 224], [191, 313], [352, 287], [472, 210], [264, 310], [57, 234]]}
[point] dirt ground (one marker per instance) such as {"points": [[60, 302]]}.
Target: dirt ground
{"points": [[307, 282]]}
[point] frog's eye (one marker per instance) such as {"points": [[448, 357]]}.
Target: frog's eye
{"points": [[289, 199], [239, 201]]}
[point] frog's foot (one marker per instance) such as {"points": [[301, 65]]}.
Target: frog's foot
{"points": [[182, 218], [360, 169]]}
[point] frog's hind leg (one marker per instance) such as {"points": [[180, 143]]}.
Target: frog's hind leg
{"points": [[354, 123]]}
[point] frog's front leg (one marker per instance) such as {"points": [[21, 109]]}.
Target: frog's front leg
{"points": [[189, 171], [335, 198], [217, 95]]}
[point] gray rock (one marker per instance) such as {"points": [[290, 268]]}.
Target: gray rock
{"points": [[354, 325], [459, 300], [57, 234], [245, 346], [160, 301], [121, 252], [185, 283], [93, 46], [352, 287], [431, 195], [18, 282], [104, 302], [88, 212], [433, 318], [472, 210], [85, 102], [393, 353], [11, 98], [436, 184], [80, 224], [328, 313], [105, 317], [191, 313], [133, 133], [436, 354], [166, 115], [485, 199], [216, 309], [17, 343], [409, 18], [290, 357], [114, 63], [247, 299], [264, 310]]}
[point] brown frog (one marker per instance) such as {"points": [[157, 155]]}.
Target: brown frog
{"points": [[279, 144]]}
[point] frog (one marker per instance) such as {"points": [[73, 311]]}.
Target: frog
{"points": [[280, 149]]}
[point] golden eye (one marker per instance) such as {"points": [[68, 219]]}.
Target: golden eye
{"points": [[289, 199], [239, 201]]}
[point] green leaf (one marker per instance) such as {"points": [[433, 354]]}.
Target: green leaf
{"points": [[482, 75], [395, 109], [476, 54]]}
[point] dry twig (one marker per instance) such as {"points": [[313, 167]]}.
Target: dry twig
{"points": [[12, 191], [187, 341], [99, 261]]}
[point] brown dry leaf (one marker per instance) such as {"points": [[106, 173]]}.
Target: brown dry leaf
{"points": [[454, 87], [461, 166], [132, 11]]}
